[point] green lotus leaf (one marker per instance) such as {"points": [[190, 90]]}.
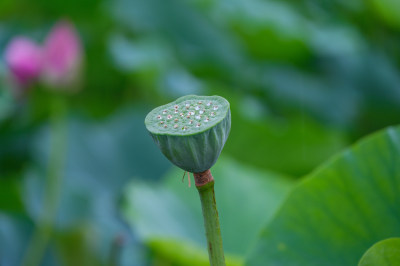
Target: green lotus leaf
{"points": [[339, 210], [191, 131], [383, 253]]}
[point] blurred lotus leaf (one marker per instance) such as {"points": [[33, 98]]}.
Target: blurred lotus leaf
{"points": [[171, 211]]}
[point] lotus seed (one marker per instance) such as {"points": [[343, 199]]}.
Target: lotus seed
{"points": [[176, 126], [169, 116], [190, 122], [162, 122], [198, 125], [188, 116], [200, 102], [176, 120], [164, 112], [165, 126], [176, 106], [159, 117], [206, 120]]}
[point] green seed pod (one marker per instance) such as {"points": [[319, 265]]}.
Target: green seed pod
{"points": [[191, 131]]}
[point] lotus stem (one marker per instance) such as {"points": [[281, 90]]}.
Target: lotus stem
{"points": [[205, 186], [45, 224]]}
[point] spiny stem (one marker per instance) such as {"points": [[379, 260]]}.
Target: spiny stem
{"points": [[205, 186]]}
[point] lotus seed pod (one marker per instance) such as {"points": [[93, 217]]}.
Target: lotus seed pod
{"points": [[193, 137]]}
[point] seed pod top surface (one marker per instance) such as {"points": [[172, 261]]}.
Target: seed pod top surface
{"points": [[187, 115]]}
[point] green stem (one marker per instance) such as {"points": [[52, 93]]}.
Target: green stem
{"points": [[45, 223], [205, 186]]}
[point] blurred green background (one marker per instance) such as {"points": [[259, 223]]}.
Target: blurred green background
{"points": [[305, 79]]}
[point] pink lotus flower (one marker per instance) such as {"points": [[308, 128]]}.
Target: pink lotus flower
{"points": [[24, 59], [58, 63], [62, 55]]}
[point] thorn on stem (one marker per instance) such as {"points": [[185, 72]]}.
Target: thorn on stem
{"points": [[183, 176]]}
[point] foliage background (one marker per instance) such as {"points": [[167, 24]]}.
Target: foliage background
{"points": [[305, 79]]}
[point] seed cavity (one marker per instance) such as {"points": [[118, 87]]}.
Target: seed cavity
{"points": [[198, 125], [188, 116], [215, 107], [200, 102], [164, 112], [159, 117], [165, 126], [191, 113], [162, 122], [201, 112], [209, 103], [176, 126], [176, 106], [197, 108], [206, 120], [212, 113], [181, 114], [184, 128], [169, 117], [198, 117], [176, 120], [190, 122]]}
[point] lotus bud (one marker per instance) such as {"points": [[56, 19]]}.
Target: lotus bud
{"points": [[62, 57], [24, 60]]}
